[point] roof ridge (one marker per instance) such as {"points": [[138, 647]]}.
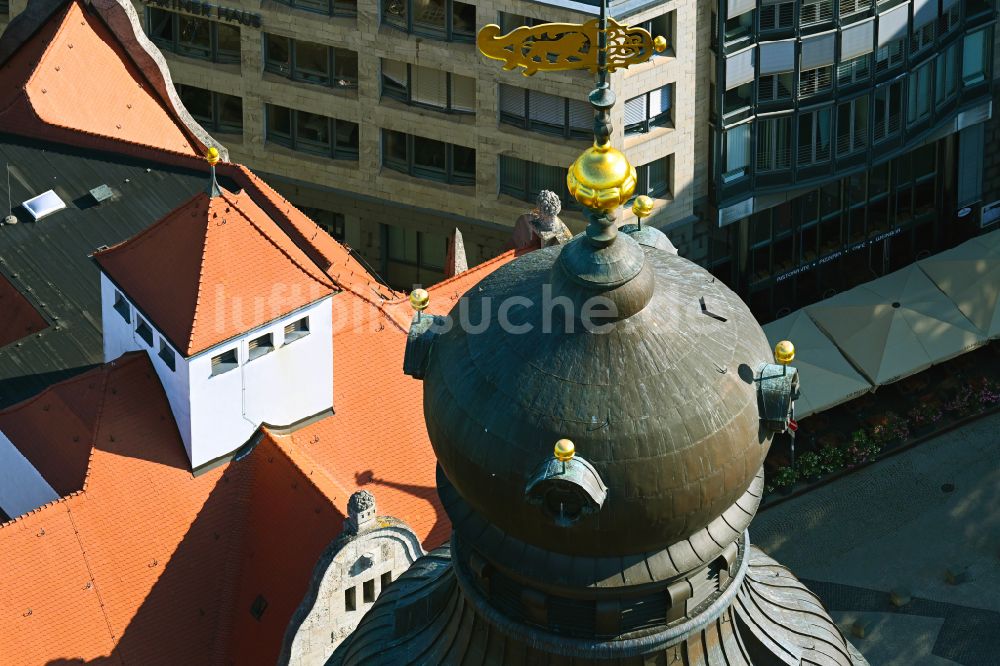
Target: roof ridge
{"points": [[260, 231], [98, 417], [201, 274]]}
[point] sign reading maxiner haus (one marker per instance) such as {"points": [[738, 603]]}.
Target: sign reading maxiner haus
{"points": [[209, 10]]}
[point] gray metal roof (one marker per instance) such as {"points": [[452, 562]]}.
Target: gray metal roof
{"points": [[48, 261]]}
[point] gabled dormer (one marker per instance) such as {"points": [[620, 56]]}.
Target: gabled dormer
{"points": [[235, 317]]}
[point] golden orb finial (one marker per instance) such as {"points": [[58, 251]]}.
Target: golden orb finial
{"points": [[659, 43], [784, 352], [212, 155], [642, 206], [601, 178], [564, 451], [419, 299]]}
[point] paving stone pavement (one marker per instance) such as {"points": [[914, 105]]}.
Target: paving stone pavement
{"points": [[899, 526]]}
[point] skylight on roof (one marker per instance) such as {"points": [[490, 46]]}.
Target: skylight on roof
{"points": [[44, 204]]}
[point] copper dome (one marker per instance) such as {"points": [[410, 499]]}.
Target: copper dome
{"points": [[663, 405]]}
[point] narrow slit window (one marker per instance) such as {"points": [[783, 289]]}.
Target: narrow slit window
{"points": [[351, 599], [167, 355], [368, 588], [385, 580], [122, 307], [224, 362], [260, 346], [297, 329], [144, 331]]}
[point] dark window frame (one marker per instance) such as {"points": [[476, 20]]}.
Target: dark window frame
{"points": [[404, 94], [296, 330], [665, 119], [175, 45], [290, 69], [260, 345], [390, 8], [167, 355], [525, 192], [298, 144], [226, 361], [411, 168], [213, 122], [421, 240], [527, 123], [332, 7], [144, 330], [122, 307], [644, 185]]}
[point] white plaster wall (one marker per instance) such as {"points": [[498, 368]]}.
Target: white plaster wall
{"points": [[292, 382], [22, 488], [120, 337]]}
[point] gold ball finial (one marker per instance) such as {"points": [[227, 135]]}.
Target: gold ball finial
{"points": [[419, 298], [784, 352], [642, 206], [212, 156], [564, 451], [601, 178], [659, 43]]}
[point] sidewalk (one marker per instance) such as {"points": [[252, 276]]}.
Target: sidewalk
{"points": [[924, 524]]}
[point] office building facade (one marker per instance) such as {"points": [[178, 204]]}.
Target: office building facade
{"points": [[794, 148]]}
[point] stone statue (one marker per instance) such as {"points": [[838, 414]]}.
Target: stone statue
{"points": [[541, 226]]}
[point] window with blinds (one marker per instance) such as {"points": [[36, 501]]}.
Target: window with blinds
{"points": [[888, 110], [737, 152], [653, 179], [852, 126], [848, 7], [774, 140], [524, 180], [653, 109], [889, 56], [777, 16], [775, 88], [545, 113], [259, 346], [432, 88], [224, 362], [922, 37], [815, 12], [297, 329], [815, 81], [854, 71], [814, 138]]}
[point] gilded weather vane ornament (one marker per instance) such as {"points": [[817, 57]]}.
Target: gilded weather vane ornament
{"points": [[601, 179], [563, 46]]}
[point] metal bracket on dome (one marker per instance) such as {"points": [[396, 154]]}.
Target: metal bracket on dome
{"points": [[777, 390], [419, 340], [566, 490]]}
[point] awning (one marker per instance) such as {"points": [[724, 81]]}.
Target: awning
{"points": [[970, 276], [896, 325], [826, 378]]}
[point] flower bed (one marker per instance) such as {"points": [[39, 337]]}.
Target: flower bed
{"points": [[858, 432]]}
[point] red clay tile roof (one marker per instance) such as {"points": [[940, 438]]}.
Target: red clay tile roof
{"points": [[73, 58], [67, 414], [19, 318], [212, 269]]}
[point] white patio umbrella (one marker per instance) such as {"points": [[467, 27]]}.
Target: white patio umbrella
{"points": [[826, 378], [896, 325], [970, 276]]}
